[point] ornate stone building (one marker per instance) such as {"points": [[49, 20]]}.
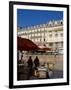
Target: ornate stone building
{"points": [[49, 34]]}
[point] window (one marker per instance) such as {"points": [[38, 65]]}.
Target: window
{"points": [[61, 44], [61, 34], [50, 35], [56, 44], [50, 31], [50, 44], [44, 39], [61, 22], [56, 35]]}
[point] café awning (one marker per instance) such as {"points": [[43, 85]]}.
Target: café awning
{"points": [[26, 44]]}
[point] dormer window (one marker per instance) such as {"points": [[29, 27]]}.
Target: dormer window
{"points": [[61, 22]]}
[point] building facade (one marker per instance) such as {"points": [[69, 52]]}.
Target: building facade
{"points": [[49, 34]]}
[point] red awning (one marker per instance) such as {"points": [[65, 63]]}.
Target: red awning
{"points": [[26, 44]]}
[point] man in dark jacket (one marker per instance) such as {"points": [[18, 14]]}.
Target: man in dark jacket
{"points": [[36, 62], [30, 65]]}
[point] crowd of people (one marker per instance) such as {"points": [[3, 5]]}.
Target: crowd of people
{"points": [[30, 69]]}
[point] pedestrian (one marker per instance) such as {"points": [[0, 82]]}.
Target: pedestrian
{"points": [[36, 62], [30, 65]]}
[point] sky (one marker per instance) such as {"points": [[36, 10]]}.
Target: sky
{"points": [[27, 17]]}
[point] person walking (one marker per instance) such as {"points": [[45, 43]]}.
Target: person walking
{"points": [[30, 65], [36, 62]]}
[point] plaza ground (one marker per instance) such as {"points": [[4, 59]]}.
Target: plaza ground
{"points": [[55, 66]]}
